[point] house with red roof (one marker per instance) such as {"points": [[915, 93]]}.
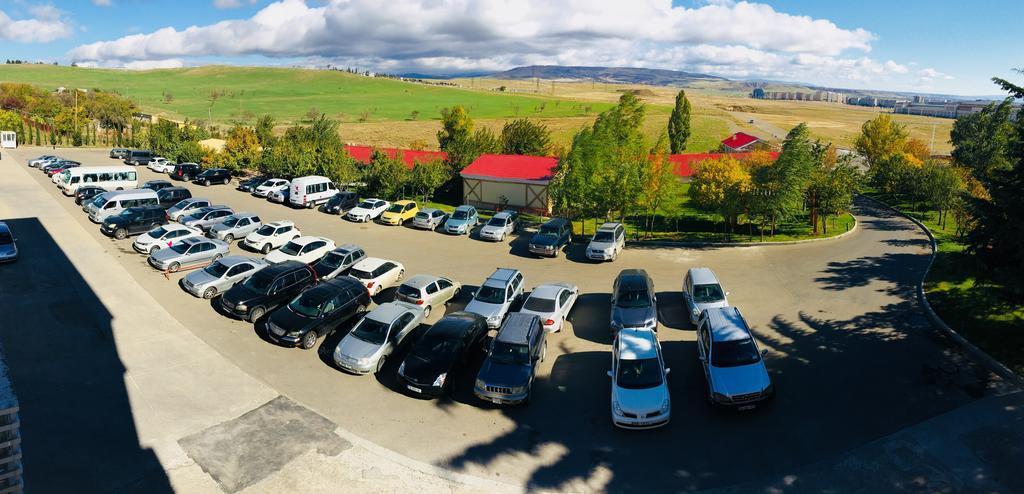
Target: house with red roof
{"points": [[739, 142], [410, 157], [505, 180], [685, 164]]}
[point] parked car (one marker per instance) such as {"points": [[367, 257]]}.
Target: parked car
{"points": [[399, 212], [54, 170], [640, 398], [733, 365], [205, 218], [221, 275], [118, 153], [267, 289], [170, 196], [607, 242], [429, 218], [156, 185], [553, 236], [307, 249], [160, 164], [8, 244], [138, 157], [185, 171], [702, 291], [250, 184], [317, 312], [367, 346], [278, 196], [634, 304], [507, 374], [377, 274], [87, 193], [341, 202], [428, 291], [164, 236], [188, 252], [338, 261], [270, 185], [133, 221], [462, 221], [271, 236], [108, 204], [213, 176], [306, 192], [497, 294], [186, 207], [551, 302], [444, 347], [40, 160], [237, 225], [369, 209], [500, 226]]}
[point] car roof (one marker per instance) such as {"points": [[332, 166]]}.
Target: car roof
{"points": [[275, 270], [371, 263], [338, 284], [547, 290], [608, 227], [403, 202], [504, 214], [280, 223], [727, 324], [388, 311], [502, 274], [373, 199], [233, 260], [703, 276], [345, 249], [637, 343], [556, 222], [429, 210], [4, 227], [633, 278], [195, 240], [421, 280], [454, 324], [517, 328], [243, 214], [305, 239], [464, 207]]}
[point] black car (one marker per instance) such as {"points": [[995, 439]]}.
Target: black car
{"points": [[212, 176], [87, 192], [172, 195], [341, 202], [447, 344], [185, 171], [138, 157], [156, 185], [268, 289], [552, 237], [317, 312], [250, 184], [506, 376], [56, 165], [133, 221]]}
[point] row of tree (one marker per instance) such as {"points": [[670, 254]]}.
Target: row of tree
{"points": [[70, 117]]}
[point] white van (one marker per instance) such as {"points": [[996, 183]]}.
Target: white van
{"points": [[111, 203], [311, 191], [105, 177]]}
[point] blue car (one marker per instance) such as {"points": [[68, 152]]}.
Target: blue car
{"points": [[462, 221]]}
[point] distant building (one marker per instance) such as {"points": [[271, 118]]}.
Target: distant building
{"points": [[941, 108], [740, 142], [825, 96]]}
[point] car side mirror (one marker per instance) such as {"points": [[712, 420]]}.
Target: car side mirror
{"points": [[764, 352], [726, 294], [667, 370], [609, 373], [703, 358]]}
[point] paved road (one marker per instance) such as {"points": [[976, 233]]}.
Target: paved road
{"points": [[852, 355]]}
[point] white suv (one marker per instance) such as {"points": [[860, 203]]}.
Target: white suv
{"points": [[496, 295], [303, 249], [271, 236], [640, 398]]}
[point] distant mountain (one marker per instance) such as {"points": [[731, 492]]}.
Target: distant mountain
{"points": [[622, 75]]}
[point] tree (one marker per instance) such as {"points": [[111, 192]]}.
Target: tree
{"points": [[662, 185], [833, 187], [265, 130], [456, 127], [942, 186], [721, 185], [880, 137], [241, 149], [10, 121], [981, 141], [427, 177], [918, 149], [779, 190], [522, 136], [384, 176], [679, 124], [187, 152]]}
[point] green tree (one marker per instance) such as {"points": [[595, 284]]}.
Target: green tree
{"points": [[981, 141], [778, 191], [522, 136], [265, 130], [10, 121], [942, 186], [834, 188], [385, 177], [880, 137], [679, 124], [721, 185], [456, 127], [662, 186], [241, 149], [427, 177], [187, 152]]}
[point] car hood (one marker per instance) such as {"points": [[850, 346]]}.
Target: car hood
{"points": [[640, 400], [221, 227], [359, 211], [200, 277], [8, 249], [277, 256], [483, 308], [711, 305], [166, 255], [357, 349], [240, 294], [634, 316], [289, 320], [425, 371], [600, 245], [543, 240], [491, 228], [499, 374], [740, 380], [452, 222], [255, 237]]}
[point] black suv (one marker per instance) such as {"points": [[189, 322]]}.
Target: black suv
{"points": [[552, 237], [250, 184], [185, 171], [172, 195], [506, 376], [87, 192], [341, 202], [133, 221], [268, 289], [317, 312], [447, 344], [138, 157], [213, 176]]}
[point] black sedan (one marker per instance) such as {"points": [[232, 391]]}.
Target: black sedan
{"points": [[317, 312], [250, 184], [447, 344]]}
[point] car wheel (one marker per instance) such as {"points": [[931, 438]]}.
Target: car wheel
{"points": [[229, 238], [361, 309], [256, 314], [377, 290], [266, 249], [426, 311], [380, 364], [226, 181], [209, 293], [206, 183], [154, 249], [174, 267], [185, 178], [120, 234], [309, 340], [218, 257], [502, 239]]}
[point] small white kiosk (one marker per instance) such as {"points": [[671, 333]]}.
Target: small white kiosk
{"points": [[8, 139]]}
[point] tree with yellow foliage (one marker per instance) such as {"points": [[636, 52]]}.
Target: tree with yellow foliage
{"points": [[720, 185]]}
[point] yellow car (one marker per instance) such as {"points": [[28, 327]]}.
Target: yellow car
{"points": [[399, 212]]}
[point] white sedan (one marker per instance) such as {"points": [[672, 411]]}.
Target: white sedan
{"points": [[369, 209], [273, 185], [307, 249], [377, 274], [551, 302], [160, 165], [164, 236]]}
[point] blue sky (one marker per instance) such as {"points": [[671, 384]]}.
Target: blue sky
{"points": [[918, 46]]}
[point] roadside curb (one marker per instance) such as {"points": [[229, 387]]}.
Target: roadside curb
{"points": [[661, 243], [987, 360]]}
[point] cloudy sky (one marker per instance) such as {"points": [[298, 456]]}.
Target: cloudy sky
{"points": [[910, 45]]}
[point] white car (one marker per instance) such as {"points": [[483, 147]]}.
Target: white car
{"points": [[270, 186], [377, 274], [640, 398], [271, 236], [702, 291], [160, 165], [369, 209], [278, 196], [551, 302], [306, 250], [164, 236]]}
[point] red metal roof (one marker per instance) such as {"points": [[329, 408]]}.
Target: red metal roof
{"points": [[739, 140], [685, 163], [512, 167], [409, 156]]}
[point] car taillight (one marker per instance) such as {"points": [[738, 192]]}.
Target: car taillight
{"points": [[369, 285], [549, 322], [419, 302]]}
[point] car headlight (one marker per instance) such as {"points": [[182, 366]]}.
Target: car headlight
{"points": [[401, 369], [768, 389], [616, 325], [440, 379], [111, 225], [664, 406], [494, 318], [720, 397], [616, 408], [696, 311], [241, 307], [651, 323], [518, 389], [480, 384]]}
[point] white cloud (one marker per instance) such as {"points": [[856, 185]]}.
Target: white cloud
{"points": [[46, 24], [896, 68], [101, 3], [230, 4], [926, 78]]}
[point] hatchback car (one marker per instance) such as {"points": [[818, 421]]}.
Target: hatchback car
{"points": [[552, 237], [118, 153], [250, 184], [204, 218], [156, 185], [317, 312], [447, 345], [163, 237], [428, 291], [307, 249], [495, 297], [186, 207], [270, 185], [369, 209], [377, 274], [507, 374], [372, 340], [88, 192], [702, 291], [634, 304], [607, 242], [338, 261], [640, 398], [271, 236], [733, 365], [221, 275], [8, 244], [552, 303], [267, 289], [236, 226], [462, 221], [500, 226], [160, 165], [342, 201], [399, 213], [133, 221], [188, 252], [213, 176], [429, 218]]}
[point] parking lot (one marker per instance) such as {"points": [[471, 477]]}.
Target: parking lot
{"points": [[852, 356]]}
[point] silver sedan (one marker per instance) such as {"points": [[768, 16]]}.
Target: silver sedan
{"points": [[367, 346], [551, 302], [221, 275], [188, 252]]}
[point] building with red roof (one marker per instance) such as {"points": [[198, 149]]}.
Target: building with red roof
{"points": [[740, 141], [505, 180], [410, 157], [685, 164]]}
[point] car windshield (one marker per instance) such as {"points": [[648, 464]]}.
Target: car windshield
{"points": [[460, 215], [5, 238], [423, 215], [99, 201], [408, 291], [308, 304], [604, 237], [368, 204], [537, 304], [734, 353], [216, 269], [639, 373], [334, 200], [490, 294], [158, 232], [265, 230], [432, 345], [396, 208], [509, 353], [360, 274], [180, 248], [548, 231], [332, 260], [231, 221], [496, 222], [259, 282], [632, 299], [291, 248], [181, 204], [371, 331], [706, 294]]}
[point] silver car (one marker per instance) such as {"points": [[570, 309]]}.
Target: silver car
{"points": [[188, 252], [702, 291], [640, 397], [204, 218], [367, 346], [186, 206], [607, 242], [428, 291], [551, 302], [496, 295], [500, 226], [221, 275], [337, 261], [732, 363], [429, 218], [235, 226]]}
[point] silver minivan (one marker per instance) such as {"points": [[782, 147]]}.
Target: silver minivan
{"points": [[112, 203]]}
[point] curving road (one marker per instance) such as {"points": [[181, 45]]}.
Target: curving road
{"points": [[853, 357]]}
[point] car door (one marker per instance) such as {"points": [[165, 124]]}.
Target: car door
{"points": [[237, 272], [688, 294], [566, 299], [402, 327], [433, 296], [704, 347], [446, 290]]}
